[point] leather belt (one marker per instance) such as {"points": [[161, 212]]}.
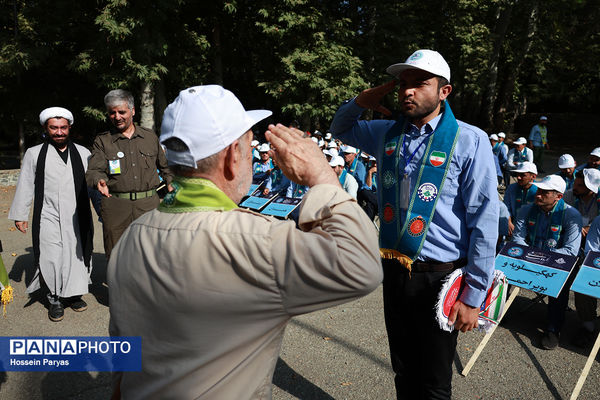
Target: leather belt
{"points": [[134, 195]]}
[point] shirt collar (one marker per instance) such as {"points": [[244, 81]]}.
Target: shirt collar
{"points": [[425, 129], [118, 135]]}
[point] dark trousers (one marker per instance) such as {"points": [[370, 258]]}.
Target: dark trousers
{"points": [[118, 213], [421, 352], [367, 199]]}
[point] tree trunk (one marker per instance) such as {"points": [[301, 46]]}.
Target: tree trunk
{"points": [[489, 95], [21, 141], [505, 109], [147, 106], [160, 103]]}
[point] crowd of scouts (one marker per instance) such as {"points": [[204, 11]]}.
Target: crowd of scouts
{"points": [[556, 213], [356, 171]]}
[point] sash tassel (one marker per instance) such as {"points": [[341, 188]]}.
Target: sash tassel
{"points": [[404, 260]]}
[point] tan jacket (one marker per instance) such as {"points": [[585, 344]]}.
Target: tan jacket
{"points": [[210, 293]]}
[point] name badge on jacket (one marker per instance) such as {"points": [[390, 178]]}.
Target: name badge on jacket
{"points": [[114, 167]]}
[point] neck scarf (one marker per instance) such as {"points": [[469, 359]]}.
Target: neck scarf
{"points": [[552, 234], [193, 195]]}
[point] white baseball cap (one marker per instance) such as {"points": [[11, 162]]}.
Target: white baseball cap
{"points": [[494, 137], [314, 139], [263, 148], [566, 161], [501, 135], [337, 161], [254, 143], [328, 136], [348, 149], [55, 112], [543, 118], [207, 119], [426, 60], [332, 145], [595, 152], [591, 178], [520, 140], [552, 182], [526, 166]]}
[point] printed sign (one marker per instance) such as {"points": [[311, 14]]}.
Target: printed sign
{"points": [[253, 187], [71, 353], [534, 269], [587, 280], [257, 200], [281, 206]]}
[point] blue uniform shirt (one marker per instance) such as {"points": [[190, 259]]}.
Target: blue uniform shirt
{"points": [[535, 136], [510, 198], [592, 242], [465, 222], [260, 169], [570, 236]]}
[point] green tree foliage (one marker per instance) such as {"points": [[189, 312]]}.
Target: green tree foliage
{"points": [[300, 58]]}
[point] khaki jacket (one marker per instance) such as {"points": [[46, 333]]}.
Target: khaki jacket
{"points": [[210, 293]]}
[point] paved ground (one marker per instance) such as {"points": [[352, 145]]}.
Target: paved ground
{"points": [[340, 353]]}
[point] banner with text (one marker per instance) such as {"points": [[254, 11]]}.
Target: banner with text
{"points": [[534, 269], [587, 280]]}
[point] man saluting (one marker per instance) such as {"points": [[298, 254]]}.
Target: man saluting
{"points": [[439, 211]]}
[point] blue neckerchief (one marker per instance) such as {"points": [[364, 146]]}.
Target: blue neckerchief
{"points": [[526, 197], [342, 177], [496, 148], [522, 156], [352, 168], [409, 237], [552, 235]]}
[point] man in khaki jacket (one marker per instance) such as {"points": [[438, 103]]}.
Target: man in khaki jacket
{"points": [[210, 287]]}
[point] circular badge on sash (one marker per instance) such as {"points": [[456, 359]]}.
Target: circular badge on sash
{"points": [[388, 213], [515, 251], [427, 192], [416, 226], [120, 154], [551, 243], [388, 179], [596, 262]]}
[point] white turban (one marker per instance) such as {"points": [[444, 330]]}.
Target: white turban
{"points": [[55, 112]]}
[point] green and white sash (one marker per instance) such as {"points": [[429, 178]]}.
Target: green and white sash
{"points": [[408, 238], [195, 194], [552, 234]]}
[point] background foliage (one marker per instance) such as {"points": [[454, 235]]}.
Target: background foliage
{"points": [[299, 58]]}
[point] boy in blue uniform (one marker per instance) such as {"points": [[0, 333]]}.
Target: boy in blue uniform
{"points": [[550, 224]]}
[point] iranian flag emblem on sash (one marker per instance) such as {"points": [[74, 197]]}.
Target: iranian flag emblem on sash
{"points": [[389, 148], [437, 158], [554, 228]]}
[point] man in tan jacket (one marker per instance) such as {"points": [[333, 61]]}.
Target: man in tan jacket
{"points": [[210, 287]]}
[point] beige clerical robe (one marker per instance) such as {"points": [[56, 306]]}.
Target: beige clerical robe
{"points": [[61, 255]]}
